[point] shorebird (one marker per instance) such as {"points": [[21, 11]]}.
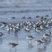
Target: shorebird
{"points": [[34, 26], [30, 37], [1, 34], [50, 22], [21, 25], [29, 18], [46, 15], [46, 40], [9, 28], [13, 17], [2, 25], [42, 19], [47, 35], [16, 31], [37, 16], [13, 45], [1, 38], [26, 29], [40, 42], [37, 27], [24, 17]]}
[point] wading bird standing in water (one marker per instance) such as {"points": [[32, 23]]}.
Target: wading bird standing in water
{"points": [[13, 46], [30, 38]]}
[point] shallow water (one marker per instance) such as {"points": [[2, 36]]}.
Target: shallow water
{"points": [[27, 8]]}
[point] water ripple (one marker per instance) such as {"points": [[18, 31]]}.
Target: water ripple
{"points": [[26, 11]]}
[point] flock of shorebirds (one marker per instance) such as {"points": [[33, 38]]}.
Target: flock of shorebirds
{"points": [[43, 24]]}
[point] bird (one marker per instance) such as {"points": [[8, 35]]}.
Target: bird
{"points": [[47, 34], [2, 25], [13, 44], [29, 18], [30, 37], [1, 34], [46, 15], [40, 42], [37, 16], [24, 17], [26, 29], [13, 17]]}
